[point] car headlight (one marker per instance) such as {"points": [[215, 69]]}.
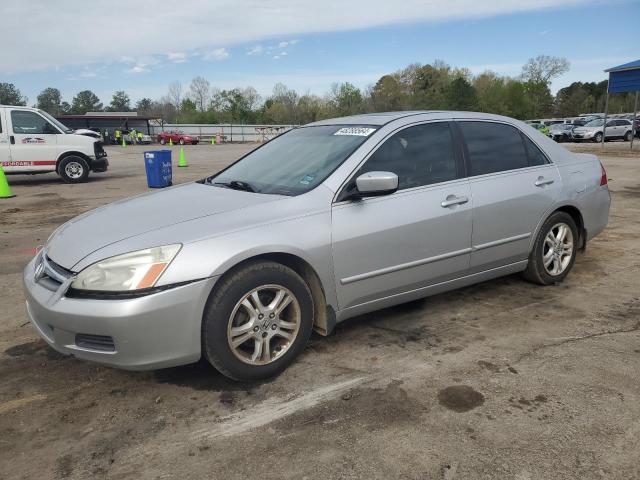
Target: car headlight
{"points": [[130, 271]]}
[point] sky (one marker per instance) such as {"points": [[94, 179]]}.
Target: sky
{"points": [[142, 46]]}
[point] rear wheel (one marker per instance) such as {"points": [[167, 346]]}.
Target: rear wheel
{"points": [[554, 251], [597, 137], [627, 136], [257, 321], [162, 141], [182, 141], [74, 169]]}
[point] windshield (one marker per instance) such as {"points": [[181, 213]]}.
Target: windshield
{"points": [[295, 162], [595, 123], [61, 126]]}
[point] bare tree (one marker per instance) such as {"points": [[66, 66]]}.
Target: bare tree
{"points": [[544, 68], [252, 97], [199, 92], [174, 94]]}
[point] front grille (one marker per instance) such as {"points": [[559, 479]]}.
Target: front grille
{"points": [[101, 343], [98, 150], [49, 274]]}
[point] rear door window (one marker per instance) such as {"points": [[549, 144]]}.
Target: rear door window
{"points": [[536, 157], [493, 147]]}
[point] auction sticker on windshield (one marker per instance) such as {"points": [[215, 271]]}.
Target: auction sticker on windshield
{"points": [[356, 131]]}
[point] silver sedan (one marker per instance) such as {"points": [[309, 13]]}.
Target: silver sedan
{"points": [[322, 223]]}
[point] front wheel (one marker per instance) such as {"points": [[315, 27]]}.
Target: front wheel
{"points": [[554, 251], [182, 141], [257, 321], [74, 169], [162, 141]]}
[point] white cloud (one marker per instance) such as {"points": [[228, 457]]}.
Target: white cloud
{"points": [[138, 68], [177, 57], [256, 50], [283, 44], [203, 24], [216, 54]]}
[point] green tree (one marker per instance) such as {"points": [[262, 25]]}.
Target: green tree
{"points": [[120, 102], [346, 98], [461, 95], [50, 101], [85, 101], [10, 95], [144, 106], [388, 94]]}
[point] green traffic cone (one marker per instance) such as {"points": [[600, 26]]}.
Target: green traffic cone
{"points": [[182, 162], [124, 144], [5, 190], [170, 142], [213, 140]]}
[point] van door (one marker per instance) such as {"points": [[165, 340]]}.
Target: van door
{"points": [[33, 142], [5, 152]]}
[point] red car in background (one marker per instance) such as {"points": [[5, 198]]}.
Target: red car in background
{"points": [[177, 137]]}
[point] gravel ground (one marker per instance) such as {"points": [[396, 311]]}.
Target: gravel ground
{"points": [[502, 380]]}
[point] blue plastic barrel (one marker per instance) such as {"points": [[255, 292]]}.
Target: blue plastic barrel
{"points": [[158, 167]]}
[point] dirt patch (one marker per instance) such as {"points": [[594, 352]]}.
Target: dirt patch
{"points": [[460, 398]]}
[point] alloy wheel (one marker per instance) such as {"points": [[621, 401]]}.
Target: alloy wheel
{"points": [[557, 250], [264, 324]]}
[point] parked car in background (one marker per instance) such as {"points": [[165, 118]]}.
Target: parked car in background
{"points": [[177, 137], [325, 222], [561, 132], [616, 129], [88, 133], [32, 141]]}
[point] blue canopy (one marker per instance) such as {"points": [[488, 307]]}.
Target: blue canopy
{"points": [[624, 78]]}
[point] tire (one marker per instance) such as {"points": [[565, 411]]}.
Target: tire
{"points": [[598, 137], [182, 141], [627, 137], [73, 169], [226, 309], [560, 265], [162, 141]]}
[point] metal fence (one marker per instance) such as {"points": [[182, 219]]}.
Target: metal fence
{"points": [[228, 132]]}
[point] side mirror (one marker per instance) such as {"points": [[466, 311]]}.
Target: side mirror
{"points": [[372, 184]]}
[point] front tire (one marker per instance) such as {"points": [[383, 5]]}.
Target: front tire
{"points": [[554, 251], [182, 141], [162, 141], [256, 321], [74, 169]]}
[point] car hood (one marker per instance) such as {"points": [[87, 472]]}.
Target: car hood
{"points": [[145, 213]]}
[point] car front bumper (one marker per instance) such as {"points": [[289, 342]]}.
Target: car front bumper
{"points": [[154, 331]]}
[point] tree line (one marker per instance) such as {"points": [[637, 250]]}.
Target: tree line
{"points": [[435, 86]]}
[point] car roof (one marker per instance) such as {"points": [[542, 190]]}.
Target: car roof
{"points": [[383, 118]]}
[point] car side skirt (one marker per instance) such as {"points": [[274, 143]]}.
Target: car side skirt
{"points": [[430, 290]]}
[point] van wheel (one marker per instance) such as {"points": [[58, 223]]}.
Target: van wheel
{"points": [[73, 169], [554, 251], [257, 321]]}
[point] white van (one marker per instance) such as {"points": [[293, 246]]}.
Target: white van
{"points": [[32, 141]]}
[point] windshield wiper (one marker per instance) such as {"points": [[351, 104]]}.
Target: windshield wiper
{"points": [[237, 185]]}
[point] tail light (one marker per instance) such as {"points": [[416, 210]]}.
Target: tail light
{"points": [[603, 177]]}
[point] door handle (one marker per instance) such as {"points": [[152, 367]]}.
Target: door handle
{"points": [[12, 140], [541, 182], [452, 200]]}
